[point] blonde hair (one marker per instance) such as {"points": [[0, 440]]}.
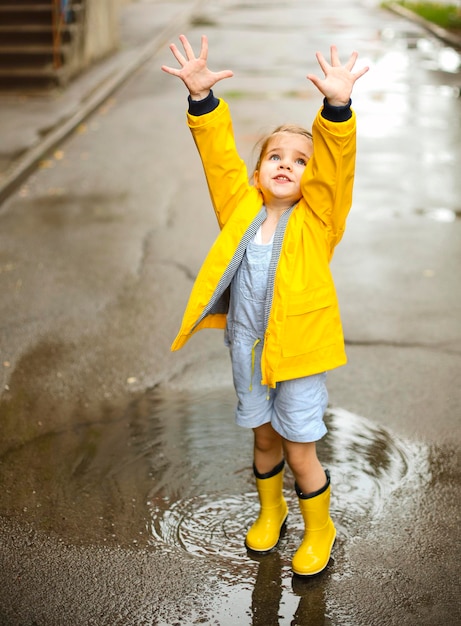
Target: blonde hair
{"points": [[294, 129]]}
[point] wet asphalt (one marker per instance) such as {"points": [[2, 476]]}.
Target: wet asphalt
{"points": [[126, 489]]}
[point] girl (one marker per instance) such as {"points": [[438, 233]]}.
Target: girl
{"points": [[267, 281]]}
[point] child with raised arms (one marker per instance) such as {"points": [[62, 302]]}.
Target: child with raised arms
{"points": [[267, 282]]}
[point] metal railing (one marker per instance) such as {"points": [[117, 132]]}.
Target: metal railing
{"points": [[60, 17]]}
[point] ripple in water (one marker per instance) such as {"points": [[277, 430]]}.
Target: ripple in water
{"points": [[175, 475], [367, 464]]}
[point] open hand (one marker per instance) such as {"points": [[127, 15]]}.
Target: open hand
{"points": [[194, 71], [339, 79]]}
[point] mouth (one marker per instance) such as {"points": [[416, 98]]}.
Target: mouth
{"points": [[282, 179]]}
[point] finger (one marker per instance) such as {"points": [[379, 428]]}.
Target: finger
{"points": [[204, 48], [170, 70], [360, 73], [223, 74], [187, 47], [351, 61], [322, 62], [334, 56], [315, 80], [177, 54]]}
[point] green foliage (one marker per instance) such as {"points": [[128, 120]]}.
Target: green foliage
{"points": [[445, 15]]}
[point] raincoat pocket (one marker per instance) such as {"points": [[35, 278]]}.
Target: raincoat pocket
{"points": [[311, 323]]}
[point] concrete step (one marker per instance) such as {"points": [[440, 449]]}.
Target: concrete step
{"points": [[21, 9], [26, 49], [19, 60], [29, 70], [35, 43], [18, 3]]}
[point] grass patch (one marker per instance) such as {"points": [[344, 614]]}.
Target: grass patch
{"points": [[235, 95], [445, 15]]}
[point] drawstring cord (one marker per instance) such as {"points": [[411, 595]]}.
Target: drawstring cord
{"points": [[253, 363], [253, 356]]}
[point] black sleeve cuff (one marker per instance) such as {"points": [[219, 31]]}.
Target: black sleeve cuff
{"points": [[200, 107], [336, 114]]}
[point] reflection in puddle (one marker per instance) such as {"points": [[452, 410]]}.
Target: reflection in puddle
{"points": [[441, 214], [176, 469], [366, 463], [439, 57], [436, 55], [174, 475]]}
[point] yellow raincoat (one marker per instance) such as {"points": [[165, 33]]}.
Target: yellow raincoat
{"points": [[304, 333]]}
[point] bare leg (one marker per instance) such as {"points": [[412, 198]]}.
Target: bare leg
{"points": [[268, 449], [264, 534], [303, 462], [313, 489]]}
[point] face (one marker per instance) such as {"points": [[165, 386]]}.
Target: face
{"points": [[281, 169]]}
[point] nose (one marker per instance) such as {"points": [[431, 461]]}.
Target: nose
{"points": [[285, 164]]}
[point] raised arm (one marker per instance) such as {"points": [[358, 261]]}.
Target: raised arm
{"points": [[194, 73], [339, 79]]}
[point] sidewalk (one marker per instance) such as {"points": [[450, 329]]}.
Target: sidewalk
{"points": [[31, 126], [126, 488], [448, 37]]}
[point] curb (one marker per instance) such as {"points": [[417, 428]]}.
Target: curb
{"points": [[441, 33], [29, 162]]}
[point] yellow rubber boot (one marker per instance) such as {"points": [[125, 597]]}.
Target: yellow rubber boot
{"points": [[314, 552], [264, 534]]}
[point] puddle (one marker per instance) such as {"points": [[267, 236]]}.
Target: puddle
{"points": [[436, 55], [174, 475], [176, 470], [441, 214]]}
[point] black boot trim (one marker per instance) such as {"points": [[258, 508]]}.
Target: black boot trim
{"points": [[277, 469], [306, 496]]}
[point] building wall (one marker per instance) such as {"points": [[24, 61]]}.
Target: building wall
{"points": [[101, 29]]}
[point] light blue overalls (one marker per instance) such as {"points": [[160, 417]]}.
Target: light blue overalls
{"points": [[295, 408]]}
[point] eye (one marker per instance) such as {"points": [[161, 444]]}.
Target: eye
{"points": [[274, 157], [301, 161]]}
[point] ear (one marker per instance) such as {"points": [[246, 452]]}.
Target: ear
{"points": [[256, 179]]}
